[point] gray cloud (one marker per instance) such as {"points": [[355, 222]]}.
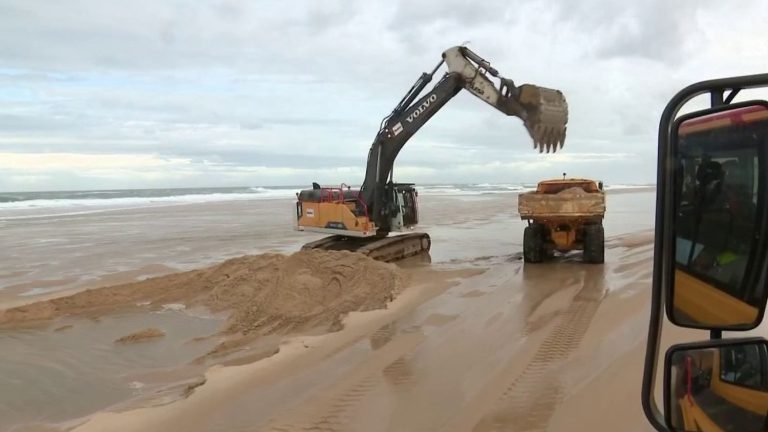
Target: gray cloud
{"points": [[265, 84], [654, 30]]}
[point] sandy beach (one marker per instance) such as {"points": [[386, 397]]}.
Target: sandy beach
{"points": [[205, 319]]}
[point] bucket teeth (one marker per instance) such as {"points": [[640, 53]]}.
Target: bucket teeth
{"points": [[546, 116], [547, 137]]}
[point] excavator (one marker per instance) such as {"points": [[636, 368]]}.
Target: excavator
{"points": [[361, 219]]}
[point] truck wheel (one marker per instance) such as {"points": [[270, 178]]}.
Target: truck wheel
{"points": [[533, 244], [594, 244]]}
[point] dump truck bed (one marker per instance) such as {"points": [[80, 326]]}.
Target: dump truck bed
{"points": [[569, 203]]}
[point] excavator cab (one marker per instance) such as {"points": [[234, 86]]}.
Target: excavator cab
{"points": [[403, 208], [711, 262]]}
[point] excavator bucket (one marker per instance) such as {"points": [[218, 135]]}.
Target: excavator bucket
{"points": [[546, 116], [543, 111]]}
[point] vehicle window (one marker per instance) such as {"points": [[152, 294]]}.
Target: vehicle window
{"points": [[717, 185], [744, 366]]}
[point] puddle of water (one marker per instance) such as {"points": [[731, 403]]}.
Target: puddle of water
{"points": [[62, 372], [439, 320]]}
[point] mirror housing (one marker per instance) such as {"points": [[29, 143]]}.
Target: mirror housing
{"points": [[719, 193], [721, 93], [717, 385]]}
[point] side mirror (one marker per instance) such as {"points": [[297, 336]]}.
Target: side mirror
{"points": [[720, 213], [717, 386]]}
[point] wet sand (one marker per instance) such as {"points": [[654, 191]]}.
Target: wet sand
{"points": [[506, 347], [505, 350]]}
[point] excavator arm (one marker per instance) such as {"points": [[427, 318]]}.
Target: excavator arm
{"points": [[544, 113]]}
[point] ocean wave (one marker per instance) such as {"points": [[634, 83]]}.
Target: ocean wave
{"points": [[473, 189], [627, 186], [85, 203], [445, 191], [44, 204]]}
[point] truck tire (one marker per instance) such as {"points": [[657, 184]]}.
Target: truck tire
{"points": [[594, 244], [533, 244]]}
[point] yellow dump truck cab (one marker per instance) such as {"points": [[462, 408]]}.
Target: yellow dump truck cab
{"points": [[563, 215]]}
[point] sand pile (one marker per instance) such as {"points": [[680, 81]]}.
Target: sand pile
{"points": [[266, 293], [575, 191], [307, 289]]}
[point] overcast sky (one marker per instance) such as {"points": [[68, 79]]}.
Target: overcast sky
{"points": [[97, 94]]}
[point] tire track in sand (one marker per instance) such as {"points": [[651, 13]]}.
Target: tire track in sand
{"points": [[332, 410], [527, 404]]}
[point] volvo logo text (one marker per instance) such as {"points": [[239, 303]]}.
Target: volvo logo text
{"points": [[421, 108]]}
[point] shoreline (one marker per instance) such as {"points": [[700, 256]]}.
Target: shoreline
{"points": [[106, 207]]}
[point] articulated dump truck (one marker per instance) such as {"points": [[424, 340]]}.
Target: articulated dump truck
{"points": [[563, 215]]}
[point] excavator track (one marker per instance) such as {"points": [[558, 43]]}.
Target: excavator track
{"points": [[387, 249]]}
